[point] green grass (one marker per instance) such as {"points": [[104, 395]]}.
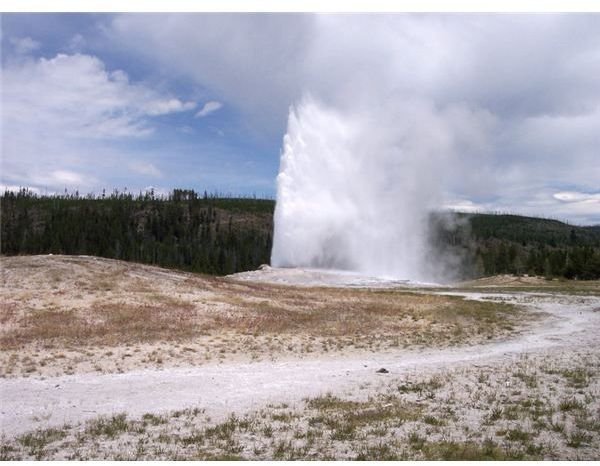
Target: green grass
{"points": [[427, 386], [469, 451], [36, 441], [518, 435], [109, 427], [379, 452], [577, 378], [571, 404], [578, 438]]}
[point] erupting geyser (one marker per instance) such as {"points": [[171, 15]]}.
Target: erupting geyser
{"points": [[353, 192]]}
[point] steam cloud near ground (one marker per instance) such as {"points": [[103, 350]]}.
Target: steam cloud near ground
{"points": [[355, 188]]}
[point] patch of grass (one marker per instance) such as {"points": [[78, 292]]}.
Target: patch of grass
{"points": [[223, 431], [588, 424], [330, 402], [6, 453], [195, 438], [469, 451], [530, 380], [153, 419], [283, 450], [113, 323], [518, 435], [571, 404], [416, 441], [346, 431], [37, 440], [578, 438], [577, 378], [282, 417], [494, 415], [379, 452], [427, 386], [557, 427], [110, 427], [433, 421]]}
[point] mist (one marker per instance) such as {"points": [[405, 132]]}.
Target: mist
{"points": [[355, 187]]}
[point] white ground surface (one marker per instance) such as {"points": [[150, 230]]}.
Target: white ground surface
{"points": [[28, 403], [322, 278]]}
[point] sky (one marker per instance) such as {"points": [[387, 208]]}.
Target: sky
{"points": [[201, 101]]}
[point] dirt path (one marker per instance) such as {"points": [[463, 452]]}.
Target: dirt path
{"points": [[220, 389]]}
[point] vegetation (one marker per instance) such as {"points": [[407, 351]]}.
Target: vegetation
{"points": [[474, 413], [216, 235], [185, 231], [488, 244]]}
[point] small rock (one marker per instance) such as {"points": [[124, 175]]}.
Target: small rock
{"points": [[383, 370]]}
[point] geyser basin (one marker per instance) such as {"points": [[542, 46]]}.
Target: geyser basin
{"points": [[323, 278]]}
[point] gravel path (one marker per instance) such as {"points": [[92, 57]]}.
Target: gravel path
{"points": [[28, 403]]}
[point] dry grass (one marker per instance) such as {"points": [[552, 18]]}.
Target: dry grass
{"points": [[512, 283], [58, 303], [467, 413]]}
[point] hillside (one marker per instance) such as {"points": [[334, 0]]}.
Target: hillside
{"points": [[226, 235], [184, 231]]}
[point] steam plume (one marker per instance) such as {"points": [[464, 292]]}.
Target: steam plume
{"points": [[354, 189]]}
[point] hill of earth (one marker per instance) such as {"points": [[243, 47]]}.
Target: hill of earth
{"points": [[219, 236]]}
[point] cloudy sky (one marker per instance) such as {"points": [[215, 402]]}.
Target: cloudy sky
{"points": [[202, 100]]}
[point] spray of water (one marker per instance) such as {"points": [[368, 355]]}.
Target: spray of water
{"points": [[354, 189]]}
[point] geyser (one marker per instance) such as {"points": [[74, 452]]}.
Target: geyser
{"points": [[354, 189]]}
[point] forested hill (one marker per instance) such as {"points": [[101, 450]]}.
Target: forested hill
{"points": [[490, 244], [204, 233], [185, 231]]}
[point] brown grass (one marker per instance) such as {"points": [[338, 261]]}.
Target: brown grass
{"points": [[77, 302]]}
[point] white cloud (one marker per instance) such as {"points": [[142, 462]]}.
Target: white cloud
{"points": [[24, 45], [65, 120], [163, 107], [76, 96], [519, 93], [66, 177], [209, 107], [464, 205], [146, 169], [77, 43], [573, 196]]}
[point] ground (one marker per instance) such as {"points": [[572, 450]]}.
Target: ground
{"points": [[110, 360]]}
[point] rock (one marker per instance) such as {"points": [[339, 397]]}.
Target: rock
{"points": [[383, 370]]}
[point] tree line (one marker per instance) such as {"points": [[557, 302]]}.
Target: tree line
{"points": [[222, 235], [492, 244], [182, 230]]}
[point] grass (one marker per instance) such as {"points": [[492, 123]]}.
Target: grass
{"points": [[179, 307], [570, 404], [578, 439], [578, 377], [469, 451], [379, 452], [109, 427], [421, 387], [457, 423], [518, 435], [36, 441]]}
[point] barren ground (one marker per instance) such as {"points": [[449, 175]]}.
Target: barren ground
{"points": [[114, 360]]}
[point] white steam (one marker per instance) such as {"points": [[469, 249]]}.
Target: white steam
{"points": [[355, 188]]}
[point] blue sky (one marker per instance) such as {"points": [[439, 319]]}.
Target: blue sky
{"points": [[180, 147], [201, 101]]}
